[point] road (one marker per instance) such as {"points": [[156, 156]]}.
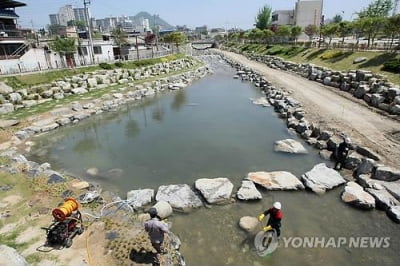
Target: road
{"points": [[336, 110]]}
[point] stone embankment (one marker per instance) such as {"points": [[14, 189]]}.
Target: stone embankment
{"points": [[11, 99], [374, 89]]}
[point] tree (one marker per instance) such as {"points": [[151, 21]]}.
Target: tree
{"points": [[256, 34], [263, 18], [329, 31], [268, 34], [65, 47], [392, 28], [337, 18], [283, 32], [378, 8], [371, 26], [311, 31], [295, 32], [345, 28], [119, 37], [176, 38], [80, 24]]}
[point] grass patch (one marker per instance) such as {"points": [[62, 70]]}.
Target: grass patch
{"points": [[10, 240], [50, 105], [30, 80], [340, 61]]}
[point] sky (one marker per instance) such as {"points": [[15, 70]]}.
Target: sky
{"points": [[213, 13]]}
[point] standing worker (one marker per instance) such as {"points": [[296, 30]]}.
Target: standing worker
{"points": [[156, 230], [275, 217], [341, 153]]}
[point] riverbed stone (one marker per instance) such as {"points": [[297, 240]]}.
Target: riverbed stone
{"points": [[325, 154], [386, 173], [394, 213], [353, 160], [393, 188], [384, 200], [5, 89], [215, 190], [366, 167], [367, 153], [248, 223], [180, 197], [139, 198], [6, 108], [322, 178], [248, 191], [290, 146], [164, 209], [10, 256], [8, 123], [355, 195], [278, 180]]}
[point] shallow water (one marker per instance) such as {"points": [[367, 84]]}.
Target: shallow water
{"points": [[212, 129]]}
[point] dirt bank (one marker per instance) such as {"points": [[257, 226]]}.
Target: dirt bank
{"points": [[336, 110]]}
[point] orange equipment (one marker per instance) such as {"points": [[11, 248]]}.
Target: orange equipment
{"points": [[69, 206]]}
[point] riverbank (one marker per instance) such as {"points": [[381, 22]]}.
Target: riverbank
{"points": [[335, 110], [335, 59]]}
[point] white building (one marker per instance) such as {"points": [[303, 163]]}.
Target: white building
{"points": [[283, 17], [65, 14]]}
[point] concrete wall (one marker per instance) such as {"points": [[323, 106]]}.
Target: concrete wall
{"points": [[308, 12], [283, 17]]}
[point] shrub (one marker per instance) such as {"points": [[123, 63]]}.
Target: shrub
{"points": [[105, 66], [392, 65], [329, 54], [119, 64]]}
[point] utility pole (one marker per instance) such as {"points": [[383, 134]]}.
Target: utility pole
{"points": [[86, 4]]}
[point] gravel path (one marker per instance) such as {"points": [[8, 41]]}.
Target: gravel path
{"points": [[336, 110]]}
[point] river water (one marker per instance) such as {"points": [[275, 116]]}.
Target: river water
{"points": [[211, 129]]}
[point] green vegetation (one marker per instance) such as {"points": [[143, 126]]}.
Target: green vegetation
{"points": [[176, 38], [26, 81], [263, 18], [392, 65], [335, 59], [105, 66], [47, 106]]}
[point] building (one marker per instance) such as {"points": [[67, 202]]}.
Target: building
{"points": [[308, 12], [201, 30], [65, 14], [54, 19], [283, 17], [80, 14], [12, 42]]}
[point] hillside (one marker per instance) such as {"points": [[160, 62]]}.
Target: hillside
{"points": [[153, 20]]}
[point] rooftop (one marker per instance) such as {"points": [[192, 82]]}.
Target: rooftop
{"points": [[10, 4]]}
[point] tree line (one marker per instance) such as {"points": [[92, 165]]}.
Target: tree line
{"points": [[372, 21]]}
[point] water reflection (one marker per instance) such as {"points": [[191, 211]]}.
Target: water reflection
{"points": [[179, 100]]}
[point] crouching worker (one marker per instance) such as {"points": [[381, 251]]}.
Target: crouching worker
{"points": [[275, 217], [156, 230]]}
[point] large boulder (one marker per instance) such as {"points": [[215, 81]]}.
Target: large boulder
{"points": [[164, 209], [321, 178], [366, 167], [386, 173], [140, 198], [393, 188], [394, 213], [278, 180], [5, 89], [384, 200], [289, 146], [248, 191], [248, 223], [355, 195], [6, 108], [180, 197], [9, 256], [215, 190]]}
